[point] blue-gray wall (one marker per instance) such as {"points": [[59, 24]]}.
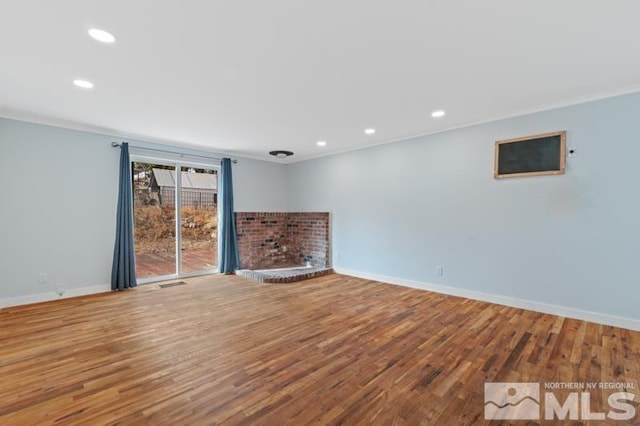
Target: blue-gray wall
{"points": [[403, 209], [58, 207]]}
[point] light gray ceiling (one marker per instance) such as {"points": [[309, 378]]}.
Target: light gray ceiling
{"points": [[247, 77]]}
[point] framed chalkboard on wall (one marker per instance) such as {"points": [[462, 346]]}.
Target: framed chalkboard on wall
{"points": [[531, 155]]}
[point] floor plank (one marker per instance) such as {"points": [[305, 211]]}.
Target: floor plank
{"points": [[331, 350]]}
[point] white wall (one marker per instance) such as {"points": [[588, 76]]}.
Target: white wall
{"points": [[57, 213], [401, 210]]}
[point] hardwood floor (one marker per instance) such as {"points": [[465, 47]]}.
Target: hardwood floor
{"points": [[331, 350]]}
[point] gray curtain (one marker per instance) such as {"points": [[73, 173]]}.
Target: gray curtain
{"points": [[123, 273], [228, 259]]}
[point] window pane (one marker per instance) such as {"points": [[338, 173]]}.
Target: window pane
{"points": [[199, 219], [154, 219]]}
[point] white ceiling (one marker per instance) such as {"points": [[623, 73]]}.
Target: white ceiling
{"points": [[247, 77]]}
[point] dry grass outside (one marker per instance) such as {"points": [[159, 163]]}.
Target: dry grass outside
{"points": [[154, 228]]}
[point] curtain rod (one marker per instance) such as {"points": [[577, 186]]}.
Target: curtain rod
{"points": [[116, 144]]}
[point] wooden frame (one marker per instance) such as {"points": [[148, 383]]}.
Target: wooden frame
{"points": [[563, 155]]}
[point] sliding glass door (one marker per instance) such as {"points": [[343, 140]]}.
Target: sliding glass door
{"points": [[199, 220], [175, 220], [154, 215]]}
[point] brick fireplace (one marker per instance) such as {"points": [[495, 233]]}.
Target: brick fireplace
{"points": [[279, 240]]}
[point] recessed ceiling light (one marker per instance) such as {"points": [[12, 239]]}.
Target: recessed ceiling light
{"points": [[83, 83], [101, 35], [438, 114], [321, 143], [370, 131]]}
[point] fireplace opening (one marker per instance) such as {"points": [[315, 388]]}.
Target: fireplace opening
{"points": [[283, 247]]}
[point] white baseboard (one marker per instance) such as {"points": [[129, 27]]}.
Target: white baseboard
{"points": [[628, 323], [52, 295]]}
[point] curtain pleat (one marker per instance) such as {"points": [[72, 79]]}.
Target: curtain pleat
{"points": [[228, 259], [123, 273]]}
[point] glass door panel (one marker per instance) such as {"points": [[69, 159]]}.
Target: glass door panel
{"points": [[154, 212], [198, 219]]}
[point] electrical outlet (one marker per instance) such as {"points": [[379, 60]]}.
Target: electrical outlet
{"points": [[59, 289], [439, 271], [43, 278]]}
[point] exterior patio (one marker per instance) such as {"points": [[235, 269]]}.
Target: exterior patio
{"points": [[150, 265]]}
